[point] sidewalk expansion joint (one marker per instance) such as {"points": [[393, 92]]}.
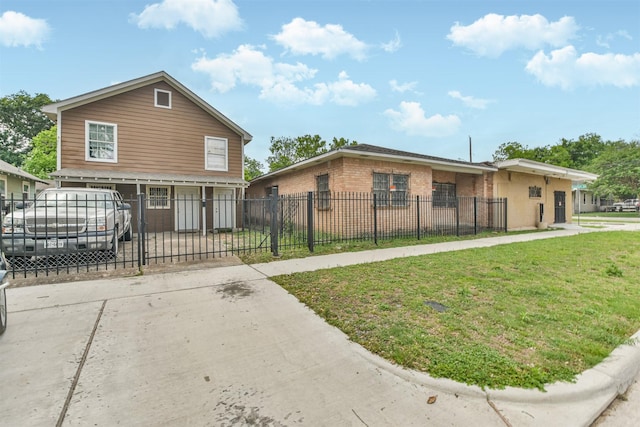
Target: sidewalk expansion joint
{"points": [[76, 377], [497, 411]]}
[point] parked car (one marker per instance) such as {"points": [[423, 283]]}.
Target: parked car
{"points": [[627, 205], [67, 221], [4, 283]]}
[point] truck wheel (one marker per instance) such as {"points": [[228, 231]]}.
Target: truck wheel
{"points": [[127, 235], [3, 311], [114, 243]]}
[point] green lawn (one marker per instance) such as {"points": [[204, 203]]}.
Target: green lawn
{"points": [[617, 215], [521, 315]]}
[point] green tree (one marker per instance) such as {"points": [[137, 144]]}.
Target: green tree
{"points": [[583, 151], [618, 167], [339, 143], [286, 151], [21, 119], [41, 161], [567, 153], [252, 168], [511, 150]]}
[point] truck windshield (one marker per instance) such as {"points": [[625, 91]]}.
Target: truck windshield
{"points": [[74, 200]]}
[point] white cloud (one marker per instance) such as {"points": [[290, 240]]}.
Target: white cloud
{"points": [[494, 34], [402, 87], [603, 41], [392, 45], [566, 69], [211, 18], [470, 101], [278, 82], [411, 119], [301, 37], [17, 29], [346, 92]]}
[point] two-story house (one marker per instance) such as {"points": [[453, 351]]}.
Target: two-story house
{"points": [[154, 136]]}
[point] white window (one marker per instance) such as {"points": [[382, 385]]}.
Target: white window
{"points": [[163, 98], [216, 154], [158, 197], [101, 142], [26, 189]]}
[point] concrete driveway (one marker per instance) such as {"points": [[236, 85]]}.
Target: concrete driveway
{"points": [[217, 347], [227, 347]]}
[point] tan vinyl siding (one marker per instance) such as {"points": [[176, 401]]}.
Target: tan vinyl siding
{"points": [[150, 139]]}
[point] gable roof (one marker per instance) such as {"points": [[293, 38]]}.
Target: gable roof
{"points": [[545, 169], [52, 110], [9, 169], [375, 152]]}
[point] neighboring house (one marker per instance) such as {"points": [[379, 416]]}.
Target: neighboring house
{"points": [[584, 200], [399, 175], [537, 192], [153, 136], [16, 184]]}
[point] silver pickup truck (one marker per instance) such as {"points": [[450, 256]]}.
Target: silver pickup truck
{"points": [[67, 221], [627, 205]]}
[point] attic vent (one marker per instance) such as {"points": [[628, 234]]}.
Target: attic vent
{"points": [[163, 98]]}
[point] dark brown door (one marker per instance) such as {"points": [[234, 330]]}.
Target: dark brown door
{"points": [[560, 207]]}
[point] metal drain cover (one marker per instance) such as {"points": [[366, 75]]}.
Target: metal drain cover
{"points": [[436, 306]]}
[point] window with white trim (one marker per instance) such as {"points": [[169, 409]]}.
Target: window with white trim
{"points": [[216, 154], [162, 98], [101, 142], [158, 197], [3, 186]]}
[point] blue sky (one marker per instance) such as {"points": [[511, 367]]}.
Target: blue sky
{"points": [[413, 75]]}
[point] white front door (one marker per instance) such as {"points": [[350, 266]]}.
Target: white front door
{"points": [[223, 208], [186, 208]]}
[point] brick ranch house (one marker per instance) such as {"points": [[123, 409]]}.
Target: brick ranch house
{"points": [[398, 176], [153, 136]]}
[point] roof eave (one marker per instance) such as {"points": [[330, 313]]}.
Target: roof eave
{"points": [[345, 152], [52, 110], [537, 168]]}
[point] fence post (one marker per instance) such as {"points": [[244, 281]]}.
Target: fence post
{"points": [[310, 241], [375, 219], [505, 214], [142, 252], [418, 214], [274, 221], [475, 215], [458, 216]]}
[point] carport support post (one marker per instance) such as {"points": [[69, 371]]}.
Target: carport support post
{"points": [[310, 220], [274, 221], [141, 232]]}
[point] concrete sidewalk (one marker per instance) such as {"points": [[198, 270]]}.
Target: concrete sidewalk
{"points": [[227, 346]]}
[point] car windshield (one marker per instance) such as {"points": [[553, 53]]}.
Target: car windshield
{"points": [[70, 199]]}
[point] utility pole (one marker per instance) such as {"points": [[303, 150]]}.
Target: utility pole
{"points": [[470, 153]]}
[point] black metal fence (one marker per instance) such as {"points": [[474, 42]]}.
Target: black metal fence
{"points": [[192, 229]]}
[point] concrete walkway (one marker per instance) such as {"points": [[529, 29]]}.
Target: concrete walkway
{"points": [[228, 347]]}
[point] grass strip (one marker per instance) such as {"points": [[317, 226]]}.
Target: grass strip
{"points": [[521, 315]]}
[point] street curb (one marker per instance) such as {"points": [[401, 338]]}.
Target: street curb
{"points": [[608, 379]]}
